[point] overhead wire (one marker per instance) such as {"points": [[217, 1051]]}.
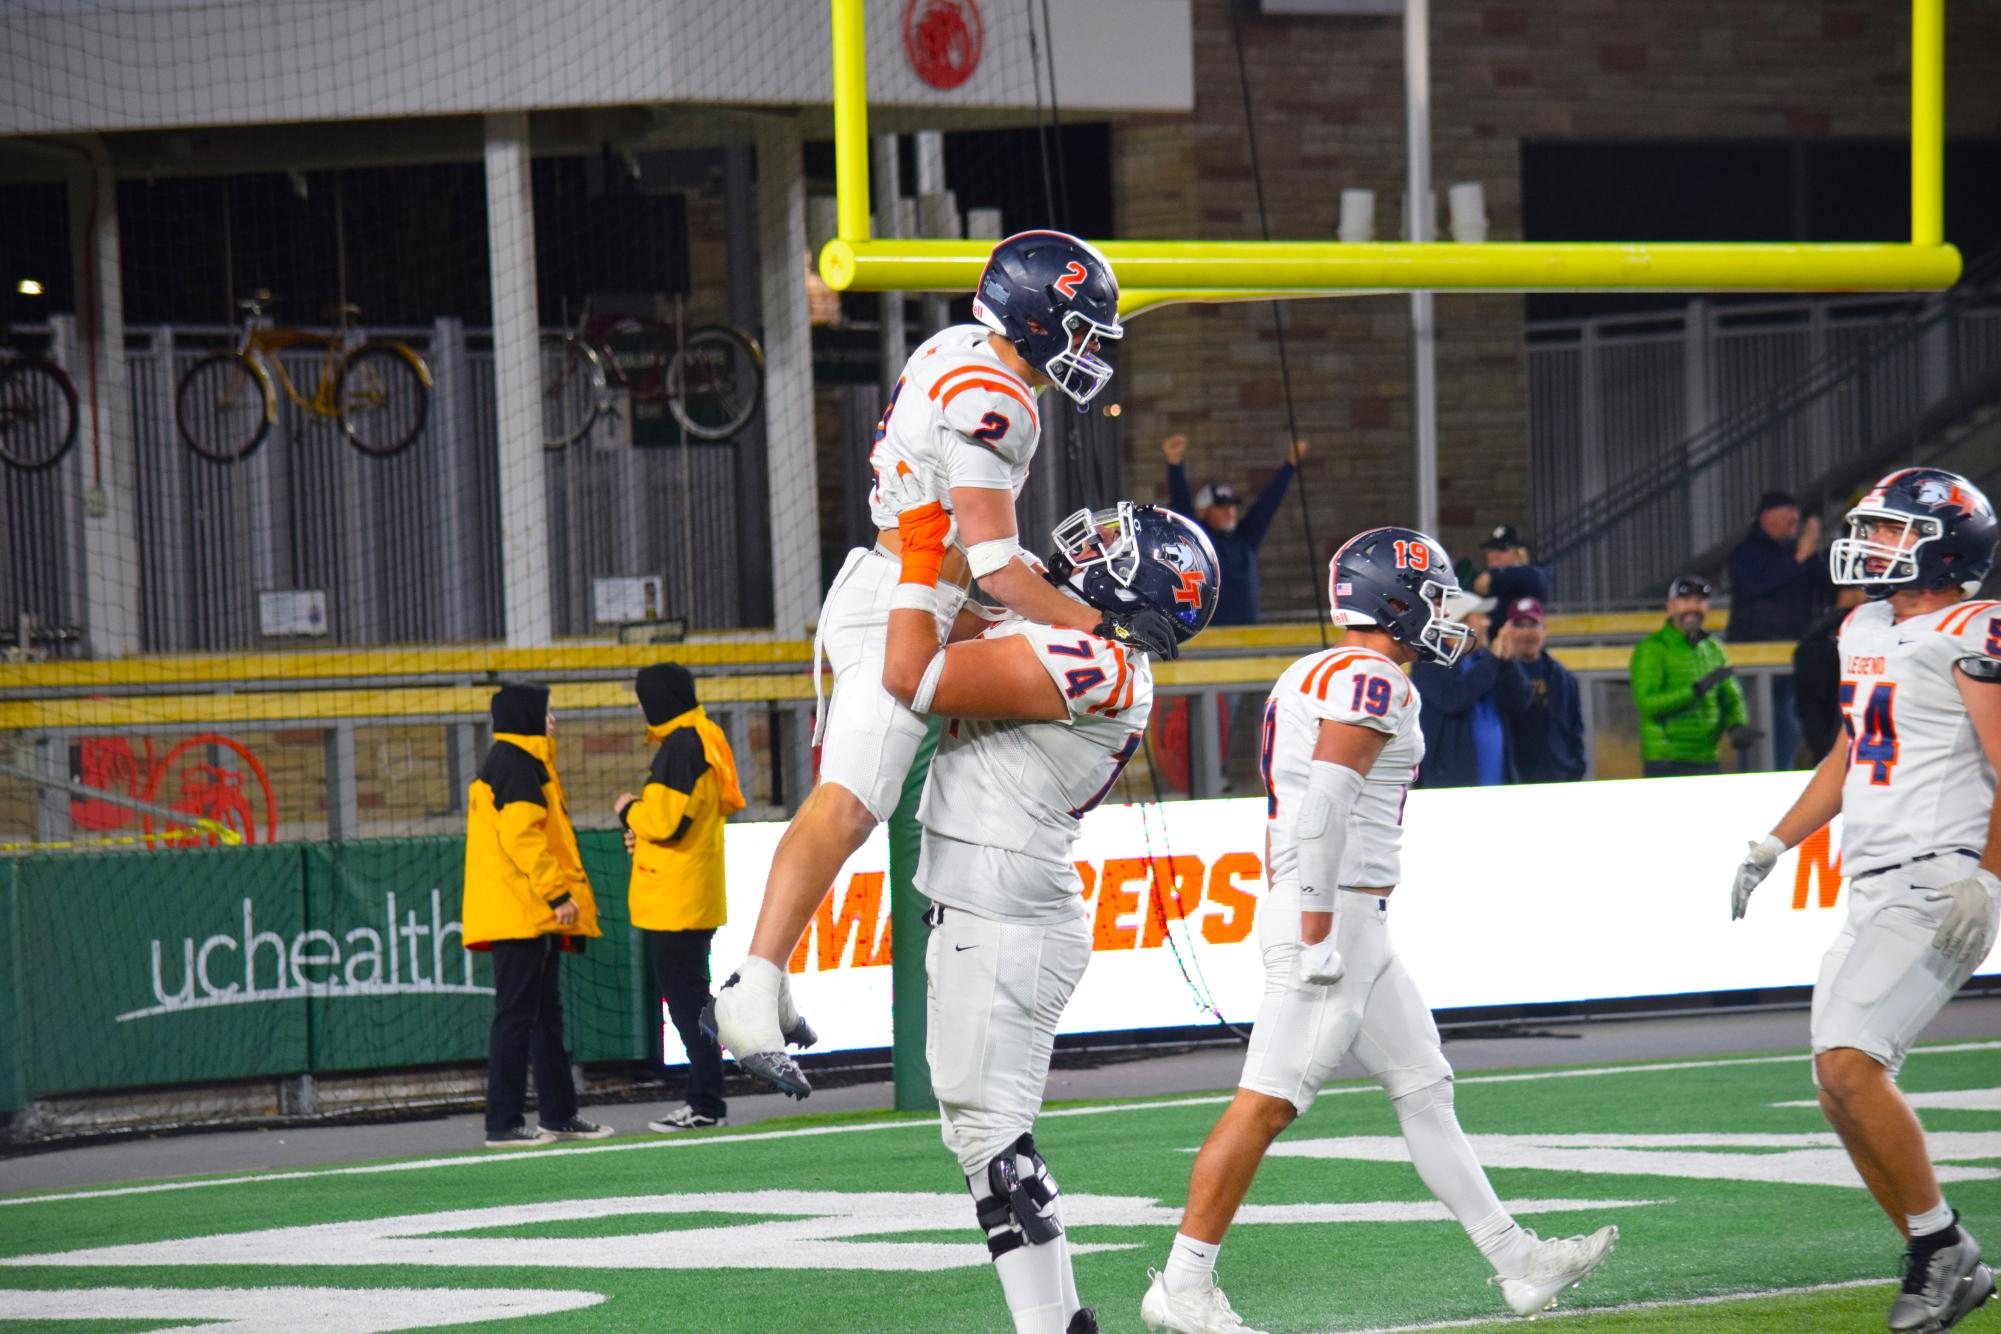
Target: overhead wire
{"points": [[1278, 327]]}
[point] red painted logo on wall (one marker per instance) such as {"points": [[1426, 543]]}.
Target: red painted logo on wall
{"points": [[943, 39], [202, 776]]}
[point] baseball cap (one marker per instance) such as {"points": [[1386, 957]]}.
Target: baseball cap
{"points": [[1525, 609], [1503, 538], [1689, 586], [1216, 493]]}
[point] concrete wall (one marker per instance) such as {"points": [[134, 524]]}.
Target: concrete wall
{"points": [[1328, 95], [74, 65]]}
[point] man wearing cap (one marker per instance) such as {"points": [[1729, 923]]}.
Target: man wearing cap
{"points": [[1548, 734], [1686, 694], [1509, 577], [1466, 712], [527, 902], [1236, 534], [1778, 584], [676, 893]]}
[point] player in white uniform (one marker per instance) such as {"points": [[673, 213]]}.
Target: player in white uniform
{"points": [[964, 420], [1043, 721], [1341, 744], [1920, 844]]}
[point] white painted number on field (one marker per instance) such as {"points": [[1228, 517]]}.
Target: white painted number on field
{"points": [[322, 1310], [811, 1230], [1798, 1160]]}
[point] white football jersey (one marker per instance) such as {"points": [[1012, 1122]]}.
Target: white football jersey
{"points": [[1918, 781], [958, 417], [1004, 799], [1343, 685]]}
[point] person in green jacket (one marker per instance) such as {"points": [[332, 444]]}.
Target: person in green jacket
{"points": [[1687, 695]]}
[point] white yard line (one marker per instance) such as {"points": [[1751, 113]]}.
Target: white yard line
{"points": [[1582, 1312], [706, 1141]]}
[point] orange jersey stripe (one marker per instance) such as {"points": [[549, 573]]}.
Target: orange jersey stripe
{"points": [[987, 369], [1111, 701], [999, 386], [1959, 620]]}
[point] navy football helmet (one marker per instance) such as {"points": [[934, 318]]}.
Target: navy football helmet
{"points": [[1055, 299], [1401, 582], [1917, 528], [1136, 558]]}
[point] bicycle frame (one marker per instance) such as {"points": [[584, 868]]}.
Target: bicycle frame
{"points": [[263, 345]]}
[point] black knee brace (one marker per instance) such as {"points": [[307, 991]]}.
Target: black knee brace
{"points": [[1020, 1206]]}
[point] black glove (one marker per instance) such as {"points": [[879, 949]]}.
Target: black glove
{"points": [[1744, 736], [1146, 629], [1716, 678]]}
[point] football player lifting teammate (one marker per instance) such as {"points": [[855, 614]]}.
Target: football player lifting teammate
{"points": [[1044, 720], [964, 421], [1913, 783], [1340, 744]]}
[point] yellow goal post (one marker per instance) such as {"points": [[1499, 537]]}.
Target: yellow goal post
{"points": [[1156, 273]]}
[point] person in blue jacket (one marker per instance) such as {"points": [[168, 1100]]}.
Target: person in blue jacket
{"points": [[1467, 712], [1548, 736], [1236, 533]]}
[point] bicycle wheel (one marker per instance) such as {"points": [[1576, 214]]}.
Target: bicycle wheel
{"points": [[37, 415], [224, 407], [574, 394], [383, 397], [717, 383]]}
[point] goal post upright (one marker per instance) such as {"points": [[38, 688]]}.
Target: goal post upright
{"points": [[1154, 273]]}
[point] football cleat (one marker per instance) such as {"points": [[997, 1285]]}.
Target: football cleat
{"points": [[791, 1024], [1084, 1322], [747, 1026], [1205, 1312], [1942, 1284], [1554, 1265]]}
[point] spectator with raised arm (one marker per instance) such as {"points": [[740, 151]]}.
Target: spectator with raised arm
{"points": [[1236, 533]]}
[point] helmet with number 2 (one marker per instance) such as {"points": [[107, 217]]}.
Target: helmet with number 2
{"points": [[1137, 555], [1401, 582], [1917, 528], [1053, 297]]}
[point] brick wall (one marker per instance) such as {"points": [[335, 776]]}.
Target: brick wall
{"points": [[1328, 96]]}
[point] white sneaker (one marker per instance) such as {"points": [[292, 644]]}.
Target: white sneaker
{"points": [[1556, 1264], [1206, 1312]]}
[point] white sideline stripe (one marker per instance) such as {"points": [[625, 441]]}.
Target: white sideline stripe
{"points": [[1718, 1299], [803, 1132]]}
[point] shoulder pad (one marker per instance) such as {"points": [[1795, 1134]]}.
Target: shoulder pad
{"points": [[1095, 675], [1358, 687], [989, 407]]}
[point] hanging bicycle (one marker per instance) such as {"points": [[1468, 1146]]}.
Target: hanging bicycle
{"points": [[38, 415], [378, 390], [711, 381]]}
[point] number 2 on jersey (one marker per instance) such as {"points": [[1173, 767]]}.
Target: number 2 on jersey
{"points": [[1876, 735]]}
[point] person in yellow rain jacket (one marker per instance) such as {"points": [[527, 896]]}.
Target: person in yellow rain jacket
{"points": [[526, 901], [675, 826]]}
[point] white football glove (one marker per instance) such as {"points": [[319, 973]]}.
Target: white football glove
{"points": [[1321, 964], [1758, 864], [1967, 932], [902, 488]]}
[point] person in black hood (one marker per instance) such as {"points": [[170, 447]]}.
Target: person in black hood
{"points": [[1778, 583]]}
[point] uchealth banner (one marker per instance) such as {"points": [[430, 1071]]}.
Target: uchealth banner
{"points": [[1510, 896]]}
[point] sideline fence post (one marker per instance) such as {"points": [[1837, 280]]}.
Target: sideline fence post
{"points": [[907, 934]]}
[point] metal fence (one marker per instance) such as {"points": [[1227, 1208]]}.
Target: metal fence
{"points": [[1652, 435], [407, 549]]}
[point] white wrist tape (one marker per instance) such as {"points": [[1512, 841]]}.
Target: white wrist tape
{"points": [[1322, 831], [927, 686], [915, 597], [983, 558], [1772, 846]]}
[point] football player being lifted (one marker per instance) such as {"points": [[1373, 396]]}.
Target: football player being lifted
{"points": [[1043, 721], [1340, 745], [1920, 845], [964, 419]]}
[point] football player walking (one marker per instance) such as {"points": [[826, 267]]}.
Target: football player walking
{"points": [[1920, 844], [1044, 720], [964, 420], [1341, 743]]}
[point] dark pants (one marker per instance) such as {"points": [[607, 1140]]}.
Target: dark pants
{"points": [[680, 962], [1676, 768], [527, 1027]]}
